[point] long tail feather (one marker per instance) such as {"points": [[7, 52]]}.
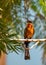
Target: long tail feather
{"points": [[27, 55]]}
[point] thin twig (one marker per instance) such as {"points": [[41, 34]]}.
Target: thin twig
{"points": [[34, 45], [31, 46]]}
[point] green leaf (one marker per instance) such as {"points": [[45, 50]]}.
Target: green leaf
{"points": [[34, 7], [13, 48]]}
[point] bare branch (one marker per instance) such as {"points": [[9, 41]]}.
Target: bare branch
{"points": [[31, 40]]}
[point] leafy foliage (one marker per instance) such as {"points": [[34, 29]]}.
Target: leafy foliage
{"points": [[13, 17]]}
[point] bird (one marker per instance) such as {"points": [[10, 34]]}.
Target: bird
{"points": [[28, 34]]}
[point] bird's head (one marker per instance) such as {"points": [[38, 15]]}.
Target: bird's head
{"points": [[28, 21]]}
